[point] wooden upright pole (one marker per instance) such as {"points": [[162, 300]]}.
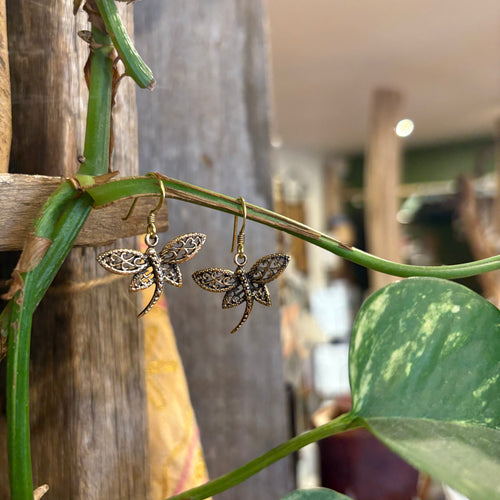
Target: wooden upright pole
{"points": [[382, 179], [88, 409], [5, 107], [496, 205]]}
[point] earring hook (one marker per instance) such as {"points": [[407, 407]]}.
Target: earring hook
{"points": [[151, 228], [152, 213], [241, 234], [163, 195]]}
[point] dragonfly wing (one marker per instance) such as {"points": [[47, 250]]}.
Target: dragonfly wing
{"points": [[141, 280], [172, 274], [123, 261], [261, 294], [234, 297], [182, 248], [268, 268], [215, 279]]}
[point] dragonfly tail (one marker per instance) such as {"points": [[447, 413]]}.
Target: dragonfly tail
{"points": [[248, 308], [154, 299]]}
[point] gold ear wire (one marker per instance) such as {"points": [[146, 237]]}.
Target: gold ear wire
{"points": [[151, 228], [152, 213], [131, 209], [241, 234], [163, 195]]}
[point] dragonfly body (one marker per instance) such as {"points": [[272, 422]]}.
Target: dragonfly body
{"points": [[241, 286], [241, 275], [150, 267], [159, 278]]}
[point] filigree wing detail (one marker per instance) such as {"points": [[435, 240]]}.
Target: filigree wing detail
{"points": [[123, 261], [143, 279], [182, 248], [215, 279], [234, 297], [261, 294], [268, 268], [172, 274]]}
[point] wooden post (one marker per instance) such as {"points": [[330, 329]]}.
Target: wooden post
{"points": [[5, 107], [88, 411], [332, 171], [496, 205], [207, 123], [480, 243], [382, 179]]}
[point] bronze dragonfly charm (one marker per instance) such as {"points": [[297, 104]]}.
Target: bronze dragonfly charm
{"points": [[241, 286], [151, 267]]}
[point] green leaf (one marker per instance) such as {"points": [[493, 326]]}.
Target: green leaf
{"points": [[425, 369], [315, 494]]}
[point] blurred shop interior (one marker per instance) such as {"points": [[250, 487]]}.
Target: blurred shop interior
{"points": [[343, 75]]}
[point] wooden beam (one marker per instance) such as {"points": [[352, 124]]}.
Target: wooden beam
{"points": [[496, 205], [88, 416], [334, 188], [5, 106], [22, 196], [477, 236], [382, 179]]}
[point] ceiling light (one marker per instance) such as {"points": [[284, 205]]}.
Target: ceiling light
{"points": [[276, 141], [404, 128]]}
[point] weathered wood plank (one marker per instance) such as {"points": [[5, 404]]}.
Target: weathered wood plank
{"points": [[22, 196], [382, 178], [207, 123], [88, 409], [5, 107]]}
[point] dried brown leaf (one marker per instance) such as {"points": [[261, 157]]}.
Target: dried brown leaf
{"points": [[76, 6], [16, 284], [34, 249], [4, 330], [40, 491], [3, 347], [102, 179]]}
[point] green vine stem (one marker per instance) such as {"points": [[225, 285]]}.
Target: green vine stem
{"points": [[60, 221], [97, 130], [175, 189], [52, 209], [340, 424], [135, 67]]}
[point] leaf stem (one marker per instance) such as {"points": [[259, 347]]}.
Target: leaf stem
{"points": [[175, 189], [340, 424], [135, 67], [18, 426], [97, 131]]}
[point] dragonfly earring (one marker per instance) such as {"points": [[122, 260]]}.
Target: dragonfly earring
{"points": [[150, 267], [241, 286]]}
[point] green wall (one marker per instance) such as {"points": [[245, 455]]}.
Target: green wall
{"points": [[436, 162]]}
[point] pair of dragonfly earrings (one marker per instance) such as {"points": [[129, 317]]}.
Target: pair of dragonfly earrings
{"points": [[151, 267]]}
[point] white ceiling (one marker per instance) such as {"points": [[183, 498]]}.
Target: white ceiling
{"points": [[327, 56]]}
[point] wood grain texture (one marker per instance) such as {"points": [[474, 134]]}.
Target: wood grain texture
{"points": [[88, 413], [207, 123], [382, 175], [22, 196], [496, 203], [471, 212], [5, 106]]}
